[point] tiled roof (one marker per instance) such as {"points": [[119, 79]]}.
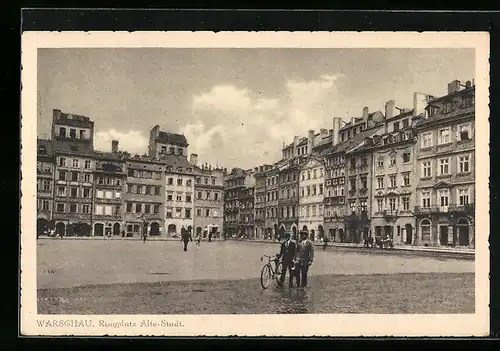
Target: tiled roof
{"points": [[353, 142], [443, 116], [101, 155], [172, 138]]}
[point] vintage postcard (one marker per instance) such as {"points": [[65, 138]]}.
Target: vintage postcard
{"points": [[255, 184]]}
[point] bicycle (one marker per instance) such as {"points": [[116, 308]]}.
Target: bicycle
{"points": [[268, 272]]}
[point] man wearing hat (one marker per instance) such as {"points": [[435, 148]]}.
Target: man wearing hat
{"points": [[287, 255], [305, 258]]}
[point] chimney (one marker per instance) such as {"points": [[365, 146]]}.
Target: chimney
{"points": [[468, 84], [310, 141], [56, 113], [353, 121], [209, 167], [453, 87], [420, 101], [193, 159], [336, 130], [114, 146], [323, 132], [330, 132], [365, 113], [390, 107], [295, 143]]}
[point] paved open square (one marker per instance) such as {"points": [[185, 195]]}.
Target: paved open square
{"points": [[158, 277]]}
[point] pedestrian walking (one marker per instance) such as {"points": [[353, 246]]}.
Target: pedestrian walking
{"points": [[186, 238], [144, 235], [198, 241], [305, 259], [287, 255], [209, 237]]}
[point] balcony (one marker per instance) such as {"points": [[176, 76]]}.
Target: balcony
{"points": [[468, 209], [390, 215], [352, 192]]}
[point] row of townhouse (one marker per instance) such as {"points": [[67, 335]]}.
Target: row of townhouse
{"points": [[85, 192], [405, 173]]}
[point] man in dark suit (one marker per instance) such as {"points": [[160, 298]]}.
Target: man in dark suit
{"points": [[287, 255], [305, 253], [186, 237]]}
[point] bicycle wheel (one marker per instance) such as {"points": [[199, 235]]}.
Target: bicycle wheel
{"points": [[265, 276], [277, 274]]}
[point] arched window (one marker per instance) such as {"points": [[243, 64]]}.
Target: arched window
{"points": [[425, 228]]}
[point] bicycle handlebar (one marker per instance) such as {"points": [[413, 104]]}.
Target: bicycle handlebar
{"points": [[269, 257]]}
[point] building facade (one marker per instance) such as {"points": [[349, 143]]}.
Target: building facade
{"points": [[144, 197], [445, 160], [109, 182], [179, 195], [45, 169], [288, 200], [271, 203], [166, 143], [239, 204], [260, 200], [311, 197]]}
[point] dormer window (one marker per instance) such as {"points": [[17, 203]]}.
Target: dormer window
{"points": [[72, 133], [42, 150], [62, 132]]}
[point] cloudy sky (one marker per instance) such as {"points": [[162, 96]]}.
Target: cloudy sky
{"points": [[235, 106]]}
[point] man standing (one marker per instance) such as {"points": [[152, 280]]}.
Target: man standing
{"points": [[287, 255], [306, 257], [186, 237]]}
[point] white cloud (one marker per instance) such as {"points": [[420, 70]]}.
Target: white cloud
{"points": [[132, 141], [237, 128]]}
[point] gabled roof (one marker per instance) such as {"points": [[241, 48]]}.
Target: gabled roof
{"points": [[354, 142], [172, 138]]}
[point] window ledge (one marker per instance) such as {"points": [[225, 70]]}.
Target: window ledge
{"points": [[427, 148], [464, 174], [445, 144], [425, 178], [443, 176]]}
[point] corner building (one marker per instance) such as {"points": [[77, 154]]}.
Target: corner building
{"points": [[45, 168], [445, 149]]}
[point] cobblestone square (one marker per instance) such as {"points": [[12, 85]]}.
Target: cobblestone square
{"points": [[157, 277]]}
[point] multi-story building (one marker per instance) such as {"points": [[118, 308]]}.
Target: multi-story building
{"points": [[393, 178], [445, 160], [144, 197], [260, 200], [179, 195], [239, 201], [288, 200], [209, 198], [271, 203], [45, 185], [109, 182], [166, 143], [72, 137], [311, 196]]}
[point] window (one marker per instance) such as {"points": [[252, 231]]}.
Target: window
{"points": [[117, 194], [216, 196], [156, 208], [138, 189], [392, 181], [308, 174], [188, 212], [392, 160], [74, 192], [62, 132], [392, 204], [88, 164], [444, 166], [46, 185], [198, 180], [405, 201], [352, 183], [406, 179], [444, 136], [199, 195], [205, 180], [170, 181], [426, 169], [179, 181], [321, 189], [426, 199], [188, 198], [380, 162], [178, 212], [189, 182], [313, 210], [61, 191], [208, 195], [308, 210], [74, 176], [72, 208], [138, 208], [463, 164], [380, 182], [314, 189], [406, 157], [87, 178], [85, 208], [463, 132], [72, 133], [426, 140], [463, 196], [396, 126], [59, 207], [157, 190], [443, 196], [179, 197], [207, 212], [405, 123], [315, 175], [172, 150], [380, 205], [364, 162], [147, 208], [364, 182], [352, 206], [108, 210], [308, 191], [62, 162], [108, 194], [76, 163], [198, 212], [129, 207]]}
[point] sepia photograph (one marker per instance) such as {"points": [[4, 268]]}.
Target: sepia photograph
{"points": [[330, 177]]}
